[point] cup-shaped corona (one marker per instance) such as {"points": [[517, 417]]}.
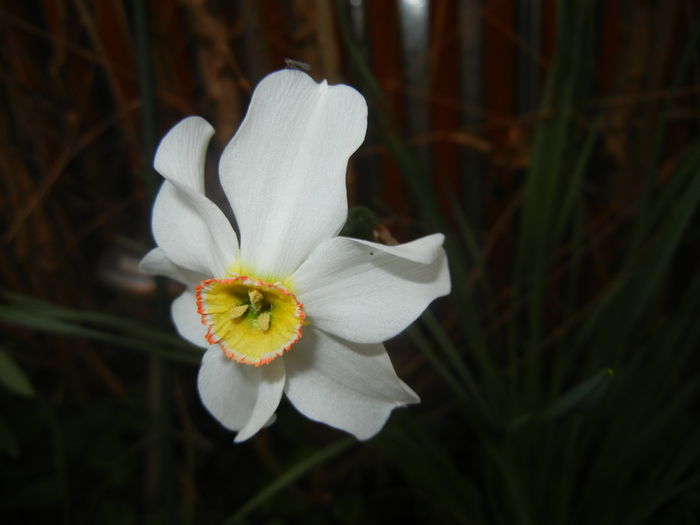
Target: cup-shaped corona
{"points": [[252, 321]]}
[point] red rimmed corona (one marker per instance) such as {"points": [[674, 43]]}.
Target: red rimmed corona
{"points": [[252, 321]]}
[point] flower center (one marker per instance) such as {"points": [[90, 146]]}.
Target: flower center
{"points": [[252, 321]]}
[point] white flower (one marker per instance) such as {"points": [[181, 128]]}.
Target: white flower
{"points": [[293, 308]]}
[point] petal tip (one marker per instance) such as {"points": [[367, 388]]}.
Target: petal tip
{"points": [[411, 397], [180, 154], [241, 437], [144, 264]]}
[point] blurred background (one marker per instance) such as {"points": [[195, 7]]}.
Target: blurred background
{"points": [[555, 143]]}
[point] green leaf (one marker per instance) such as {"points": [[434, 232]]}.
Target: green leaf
{"points": [[170, 348], [47, 313], [13, 377], [291, 475], [584, 395]]}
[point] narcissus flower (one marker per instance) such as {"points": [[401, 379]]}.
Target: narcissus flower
{"points": [[293, 308]]}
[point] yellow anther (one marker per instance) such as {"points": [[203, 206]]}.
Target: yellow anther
{"points": [[263, 321], [238, 311], [256, 298]]}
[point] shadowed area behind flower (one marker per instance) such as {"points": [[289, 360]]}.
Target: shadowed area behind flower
{"points": [[554, 146]]}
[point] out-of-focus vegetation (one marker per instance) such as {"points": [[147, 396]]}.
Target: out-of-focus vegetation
{"points": [[556, 145]]}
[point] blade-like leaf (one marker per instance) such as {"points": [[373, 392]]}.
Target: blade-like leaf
{"points": [[13, 377], [291, 475]]}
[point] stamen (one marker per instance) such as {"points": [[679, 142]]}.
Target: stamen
{"points": [[256, 298], [238, 311], [263, 321]]}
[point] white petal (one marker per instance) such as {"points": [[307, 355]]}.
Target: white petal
{"points": [[182, 151], [156, 262], [242, 397], [227, 389], [346, 385], [187, 320], [270, 388], [368, 292], [192, 231], [284, 171]]}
